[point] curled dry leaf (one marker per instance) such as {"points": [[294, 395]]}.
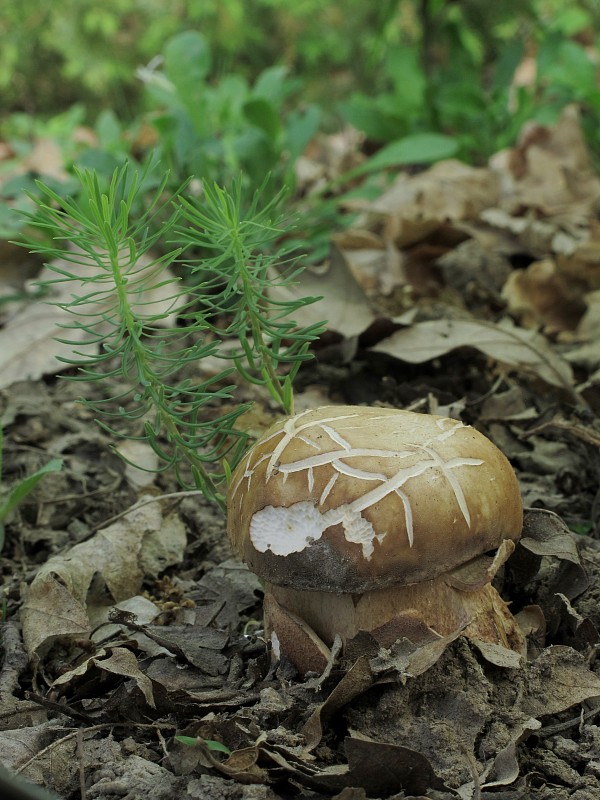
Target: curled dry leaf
{"points": [[504, 768], [416, 205], [546, 535], [541, 295], [68, 595], [381, 769], [116, 661], [355, 681], [406, 659], [343, 302], [575, 629], [241, 765], [526, 351], [550, 170], [378, 767]]}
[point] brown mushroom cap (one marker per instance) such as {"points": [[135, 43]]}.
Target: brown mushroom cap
{"points": [[348, 499]]}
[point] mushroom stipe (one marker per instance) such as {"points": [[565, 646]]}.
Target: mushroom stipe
{"points": [[378, 520]]}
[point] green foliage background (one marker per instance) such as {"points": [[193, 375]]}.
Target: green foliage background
{"points": [[243, 85], [53, 54]]}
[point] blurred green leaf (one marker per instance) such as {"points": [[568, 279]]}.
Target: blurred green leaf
{"points": [[566, 63], [404, 69], [101, 161], [187, 65], [18, 493], [422, 148], [261, 113], [301, 126], [272, 84], [366, 114]]}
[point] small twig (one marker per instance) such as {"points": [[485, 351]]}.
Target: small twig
{"points": [[584, 434], [474, 773], [490, 393], [550, 730], [15, 659], [81, 759], [214, 614], [163, 743], [141, 503], [417, 404], [334, 654], [78, 716], [83, 495], [18, 708]]}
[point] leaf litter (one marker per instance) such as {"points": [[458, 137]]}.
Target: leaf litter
{"points": [[459, 290]]}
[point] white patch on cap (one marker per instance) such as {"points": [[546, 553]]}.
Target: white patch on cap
{"points": [[359, 530], [290, 530], [287, 530]]}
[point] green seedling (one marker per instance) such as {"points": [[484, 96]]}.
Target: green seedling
{"points": [[103, 247], [10, 499]]}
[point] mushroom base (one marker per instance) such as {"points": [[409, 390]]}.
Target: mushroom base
{"points": [[303, 624]]}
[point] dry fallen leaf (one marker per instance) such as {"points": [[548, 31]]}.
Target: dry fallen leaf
{"points": [[378, 270], [49, 768], [381, 769], [354, 682], [540, 294], [141, 462], [504, 768], [344, 304], [416, 205], [406, 659], [545, 534], [116, 661], [526, 351], [28, 346], [72, 591], [558, 679], [549, 170]]}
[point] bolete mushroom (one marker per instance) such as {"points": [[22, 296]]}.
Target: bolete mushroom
{"points": [[377, 520]]}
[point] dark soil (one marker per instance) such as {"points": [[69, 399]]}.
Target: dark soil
{"points": [[465, 727]]}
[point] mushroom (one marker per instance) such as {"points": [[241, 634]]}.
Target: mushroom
{"points": [[377, 520]]}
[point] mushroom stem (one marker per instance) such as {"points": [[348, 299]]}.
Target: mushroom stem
{"points": [[389, 614]]}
